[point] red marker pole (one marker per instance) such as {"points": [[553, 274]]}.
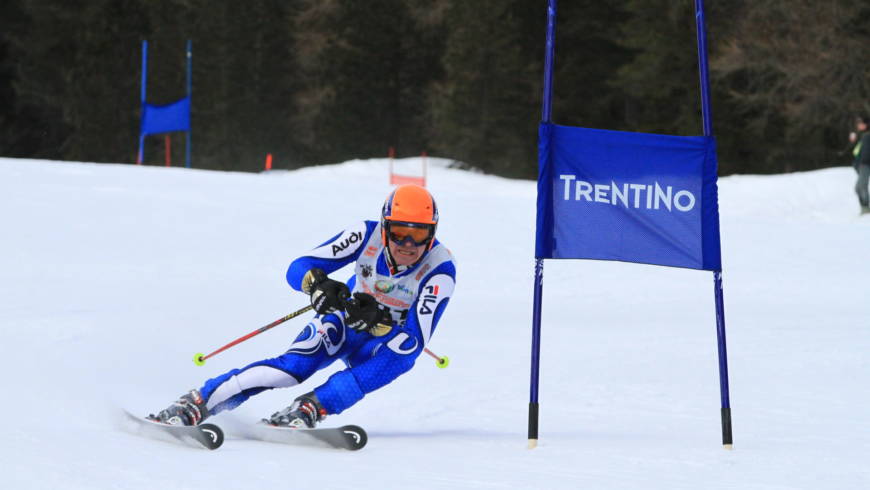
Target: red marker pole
{"points": [[168, 145], [268, 161], [391, 154], [424, 167]]}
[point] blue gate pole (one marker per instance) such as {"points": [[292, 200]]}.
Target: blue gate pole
{"points": [[546, 116], [190, 102], [704, 70], [727, 440], [142, 93]]}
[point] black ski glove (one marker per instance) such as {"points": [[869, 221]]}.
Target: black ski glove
{"points": [[327, 295], [365, 314]]}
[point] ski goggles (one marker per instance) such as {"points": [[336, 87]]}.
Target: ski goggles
{"points": [[418, 234]]}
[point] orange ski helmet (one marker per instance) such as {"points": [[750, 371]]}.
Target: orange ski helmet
{"points": [[409, 213]]}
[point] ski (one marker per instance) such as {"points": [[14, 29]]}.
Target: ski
{"points": [[208, 436], [350, 437]]}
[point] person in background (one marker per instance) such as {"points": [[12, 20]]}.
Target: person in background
{"points": [[861, 151]]}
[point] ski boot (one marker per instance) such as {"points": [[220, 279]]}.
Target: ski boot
{"points": [[189, 409], [305, 412]]}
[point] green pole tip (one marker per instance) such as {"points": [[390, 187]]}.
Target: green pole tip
{"points": [[198, 359], [443, 362]]}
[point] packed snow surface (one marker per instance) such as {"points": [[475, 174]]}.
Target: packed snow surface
{"points": [[114, 276]]}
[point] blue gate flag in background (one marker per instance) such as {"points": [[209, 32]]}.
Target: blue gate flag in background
{"points": [[156, 119], [633, 197], [166, 118]]}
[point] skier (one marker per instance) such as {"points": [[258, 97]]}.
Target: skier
{"points": [[402, 282]]}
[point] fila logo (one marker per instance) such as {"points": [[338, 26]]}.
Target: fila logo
{"points": [[431, 297], [353, 238]]}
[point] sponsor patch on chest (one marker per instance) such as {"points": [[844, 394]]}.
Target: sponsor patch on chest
{"points": [[388, 287]]}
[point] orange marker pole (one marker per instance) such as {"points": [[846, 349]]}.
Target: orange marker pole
{"points": [[168, 144]]}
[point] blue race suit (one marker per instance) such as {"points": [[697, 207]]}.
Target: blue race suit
{"points": [[416, 298]]}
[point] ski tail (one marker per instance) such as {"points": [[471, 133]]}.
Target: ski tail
{"points": [[350, 437], [208, 436]]}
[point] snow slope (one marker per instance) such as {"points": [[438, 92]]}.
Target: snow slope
{"points": [[113, 276]]}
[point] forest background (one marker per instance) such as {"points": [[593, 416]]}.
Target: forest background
{"points": [[323, 81]]}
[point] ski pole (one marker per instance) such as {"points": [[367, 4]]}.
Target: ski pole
{"points": [[199, 358], [441, 362]]}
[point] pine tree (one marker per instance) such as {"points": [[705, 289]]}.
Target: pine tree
{"points": [[485, 113], [588, 57], [78, 70], [18, 120], [662, 77], [363, 77], [243, 70], [797, 73]]}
